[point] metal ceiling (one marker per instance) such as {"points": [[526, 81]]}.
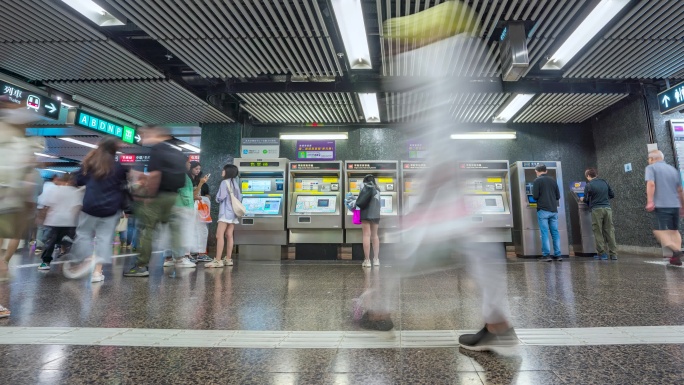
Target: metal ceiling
{"points": [[40, 40], [550, 17], [249, 40], [226, 39], [301, 107], [470, 108], [158, 101], [566, 108], [645, 44]]}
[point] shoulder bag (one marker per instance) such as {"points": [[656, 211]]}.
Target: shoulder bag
{"points": [[238, 208]]}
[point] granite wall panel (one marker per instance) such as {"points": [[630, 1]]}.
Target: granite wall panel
{"points": [[620, 137]]}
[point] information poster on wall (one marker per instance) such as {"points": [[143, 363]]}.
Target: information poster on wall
{"points": [[417, 150], [677, 131], [260, 148], [315, 150]]}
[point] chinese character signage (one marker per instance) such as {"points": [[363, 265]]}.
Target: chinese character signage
{"points": [[104, 126], [259, 164], [260, 148], [41, 105], [315, 150], [132, 158], [671, 99], [417, 150], [193, 158], [414, 166], [362, 166], [484, 165], [314, 166]]}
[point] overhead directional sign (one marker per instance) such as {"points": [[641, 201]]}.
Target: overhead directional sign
{"points": [[104, 126], [41, 105], [672, 99]]}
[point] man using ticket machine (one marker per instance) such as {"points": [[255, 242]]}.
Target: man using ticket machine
{"points": [[597, 195], [547, 194]]}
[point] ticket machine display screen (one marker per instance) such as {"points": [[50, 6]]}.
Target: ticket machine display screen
{"points": [[325, 204], [386, 204], [580, 195], [483, 204], [262, 205], [530, 199], [256, 185]]}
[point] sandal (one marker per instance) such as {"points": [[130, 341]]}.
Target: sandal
{"points": [[214, 263], [4, 312]]}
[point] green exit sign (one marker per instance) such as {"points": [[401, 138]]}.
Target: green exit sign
{"points": [[96, 123]]}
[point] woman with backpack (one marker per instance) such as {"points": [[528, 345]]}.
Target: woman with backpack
{"points": [[105, 197], [230, 187], [369, 203]]}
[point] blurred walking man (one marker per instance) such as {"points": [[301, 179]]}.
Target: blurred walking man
{"points": [[665, 199]]}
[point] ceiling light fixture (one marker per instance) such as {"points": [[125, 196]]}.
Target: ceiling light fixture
{"points": [[598, 18], [316, 136], [484, 135], [513, 107], [349, 16], [67, 105], [76, 141], [93, 12], [45, 155], [105, 109], [190, 147], [369, 104]]}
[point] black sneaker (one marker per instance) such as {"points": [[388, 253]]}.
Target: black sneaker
{"points": [[675, 260], [545, 259], [383, 325], [558, 259], [137, 271], [484, 340]]}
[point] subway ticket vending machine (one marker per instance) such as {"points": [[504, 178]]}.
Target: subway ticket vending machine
{"points": [[261, 234], [487, 195], [315, 208], [580, 219], [410, 171], [387, 176], [526, 235]]}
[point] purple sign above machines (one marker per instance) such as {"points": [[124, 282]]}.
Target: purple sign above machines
{"points": [[315, 150]]}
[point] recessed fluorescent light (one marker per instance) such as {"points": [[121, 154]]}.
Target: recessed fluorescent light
{"points": [[67, 105], [371, 111], [176, 147], [514, 105], [45, 155], [53, 170], [93, 12], [76, 141], [484, 135], [603, 13], [349, 16], [190, 147], [314, 136]]}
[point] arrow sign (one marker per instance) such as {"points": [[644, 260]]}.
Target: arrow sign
{"points": [[138, 138], [51, 107], [671, 99]]}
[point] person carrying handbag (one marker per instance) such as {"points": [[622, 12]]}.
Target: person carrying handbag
{"points": [[369, 203], [229, 198]]}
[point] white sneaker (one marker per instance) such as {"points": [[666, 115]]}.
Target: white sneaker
{"points": [[185, 262], [227, 262], [97, 278], [376, 262], [168, 262], [366, 263]]}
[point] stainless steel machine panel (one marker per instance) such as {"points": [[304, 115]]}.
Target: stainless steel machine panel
{"points": [[410, 174], [526, 234], [315, 203], [583, 243], [263, 185], [386, 174]]}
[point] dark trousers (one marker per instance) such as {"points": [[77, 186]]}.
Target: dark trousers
{"points": [[55, 236]]}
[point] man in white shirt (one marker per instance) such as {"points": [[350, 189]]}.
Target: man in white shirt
{"points": [[41, 234], [63, 203]]}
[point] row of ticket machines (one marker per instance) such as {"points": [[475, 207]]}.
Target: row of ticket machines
{"points": [[302, 204]]}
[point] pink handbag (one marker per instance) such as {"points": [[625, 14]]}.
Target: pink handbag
{"points": [[356, 219]]}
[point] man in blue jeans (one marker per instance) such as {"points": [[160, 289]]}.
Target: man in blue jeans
{"points": [[546, 192]]}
